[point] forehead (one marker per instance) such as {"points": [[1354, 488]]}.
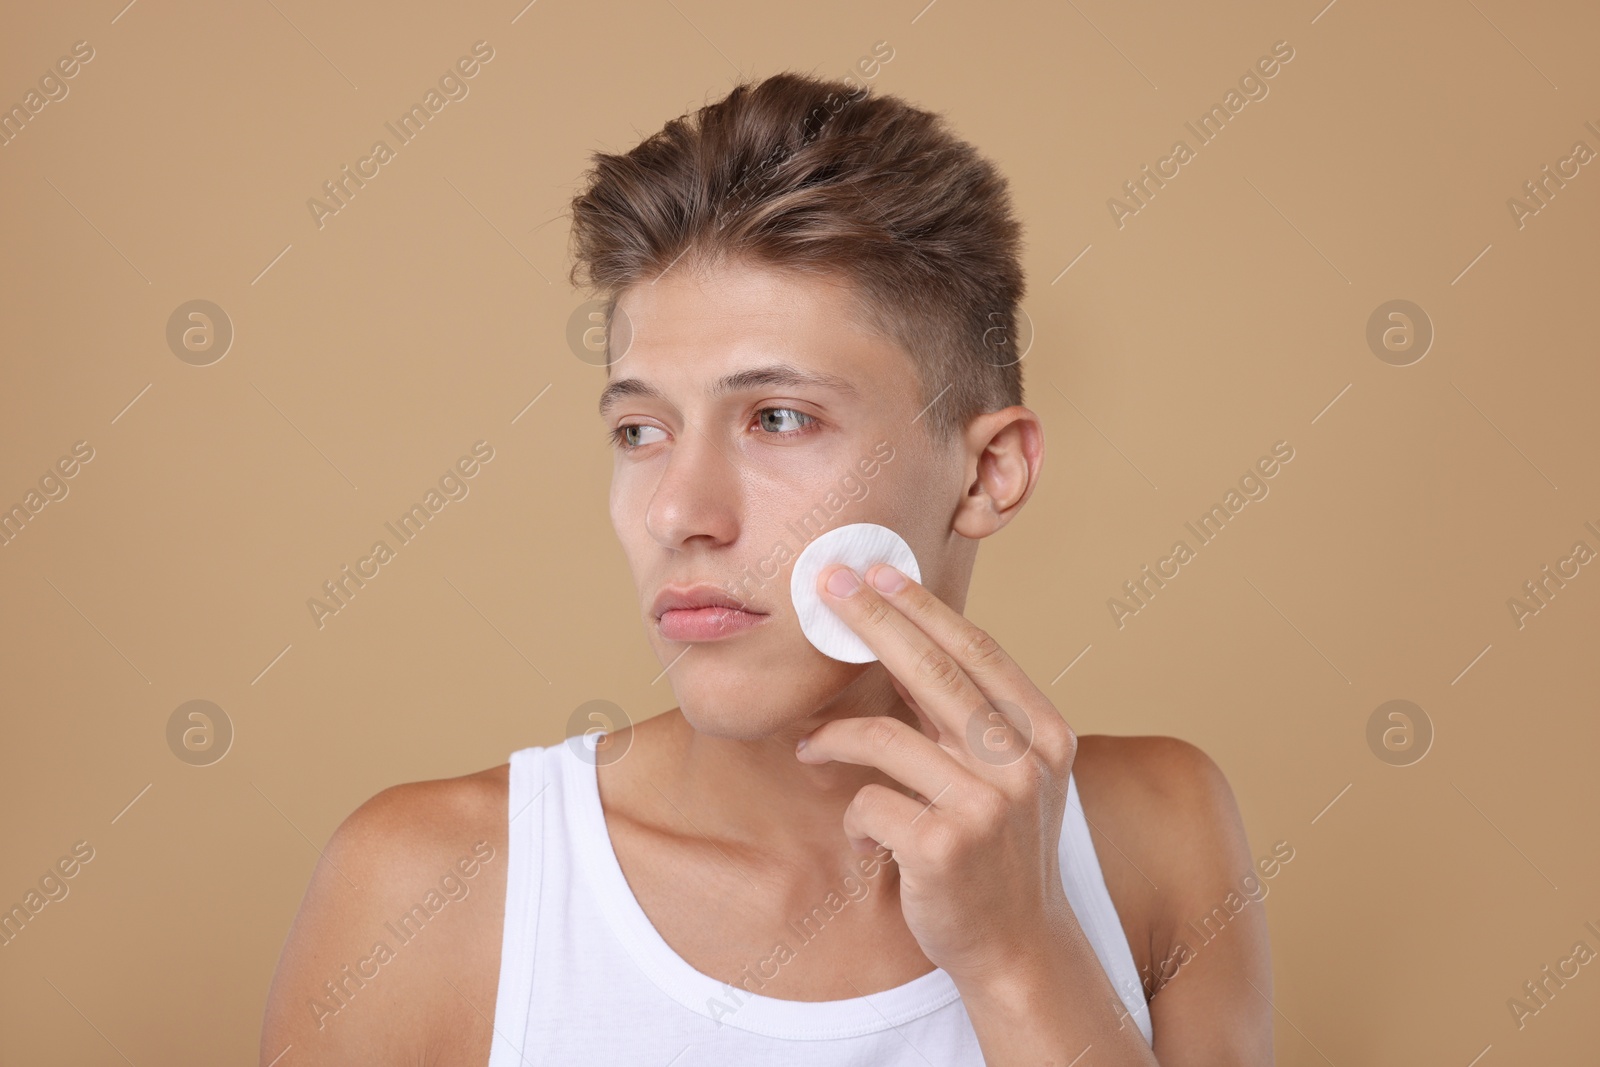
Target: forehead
{"points": [[693, 325], [758, 296]]}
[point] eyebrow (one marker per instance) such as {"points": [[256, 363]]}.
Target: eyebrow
{"points": [[775, 374]]}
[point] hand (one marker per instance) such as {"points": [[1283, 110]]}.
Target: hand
{"points": [[980, 870]]}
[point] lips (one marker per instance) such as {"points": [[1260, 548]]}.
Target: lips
{"points": [[702, 613]]}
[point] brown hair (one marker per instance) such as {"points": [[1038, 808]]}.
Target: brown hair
{"points": [[797, 172]]}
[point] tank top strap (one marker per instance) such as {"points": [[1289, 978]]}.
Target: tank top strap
{"points": [[529, 792], [1091, 902]]}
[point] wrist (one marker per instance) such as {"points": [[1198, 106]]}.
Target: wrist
{"points": [[1016, 981]]}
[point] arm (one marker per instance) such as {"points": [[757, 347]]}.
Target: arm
{"points": [[393, 956], [1211, 1004]]}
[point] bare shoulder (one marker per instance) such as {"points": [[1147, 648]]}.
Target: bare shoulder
{"points": [[1150, 786], [415, 819], [394, 954], [1177, 863]]}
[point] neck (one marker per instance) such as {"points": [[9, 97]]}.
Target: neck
{"points": [[756, 795]]}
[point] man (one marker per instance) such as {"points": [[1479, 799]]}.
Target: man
{"points": [[812, 294]]}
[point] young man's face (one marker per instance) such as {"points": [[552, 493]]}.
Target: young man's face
{"points": [[722, 486]]}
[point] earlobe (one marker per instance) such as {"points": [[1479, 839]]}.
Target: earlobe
{"points": [[977, 517]]}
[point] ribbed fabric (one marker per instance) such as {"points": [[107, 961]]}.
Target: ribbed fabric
{"points": [[586, 978]]}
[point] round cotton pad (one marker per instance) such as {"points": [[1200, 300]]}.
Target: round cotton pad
{"points": [[858, 545]]}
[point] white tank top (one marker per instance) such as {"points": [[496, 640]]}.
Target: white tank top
{"points": [[586, 978]]}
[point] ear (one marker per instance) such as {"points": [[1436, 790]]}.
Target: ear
{"points": [[1004, 451]]}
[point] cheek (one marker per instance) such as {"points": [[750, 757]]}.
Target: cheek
{"points": [[906, 500], [627, 527], [626, 499]]}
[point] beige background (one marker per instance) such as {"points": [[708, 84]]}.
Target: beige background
{"points": [[369, 354]]}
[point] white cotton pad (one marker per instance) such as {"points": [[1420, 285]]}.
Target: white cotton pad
{"points": [[858, 545]]}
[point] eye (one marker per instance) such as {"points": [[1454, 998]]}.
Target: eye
{"points": [[804, 419], [625, 438]]}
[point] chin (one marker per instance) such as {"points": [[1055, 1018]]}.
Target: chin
{"points": [[756, 698]]}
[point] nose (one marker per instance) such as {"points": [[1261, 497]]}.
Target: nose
{"points": [[698, 495]]}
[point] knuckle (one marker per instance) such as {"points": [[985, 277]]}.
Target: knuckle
{"points": [[989, 805], [1062, 744], [1054, 741], [876, 612], [981, 650], [938, 670], [884, 733]]}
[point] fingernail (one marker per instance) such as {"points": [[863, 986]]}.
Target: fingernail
{"points": [[800, 745], [843, 582], [888, 579]]}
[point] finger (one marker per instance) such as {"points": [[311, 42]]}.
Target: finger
{"points": [[892, 746], [928, 727], [880, 816], [998, 683], [943, 690], [989, 666]]}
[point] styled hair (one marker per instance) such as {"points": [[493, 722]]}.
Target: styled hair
{"points": [[801, 173]]}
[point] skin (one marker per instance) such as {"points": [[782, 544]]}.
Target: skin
{"points": [[712, 802]]}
